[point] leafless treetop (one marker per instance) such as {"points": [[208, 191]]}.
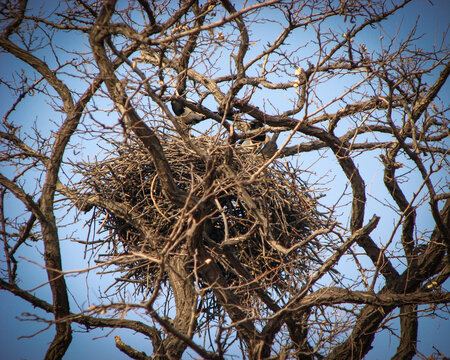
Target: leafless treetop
{"points": [[260, 225]]}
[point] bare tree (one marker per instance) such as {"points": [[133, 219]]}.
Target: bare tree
{"points": [[225, 237]]}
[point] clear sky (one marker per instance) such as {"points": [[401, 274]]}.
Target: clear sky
{"points": [[433, 20]]}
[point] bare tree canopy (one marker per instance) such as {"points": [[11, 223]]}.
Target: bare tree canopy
{"points": [[259, 180]]}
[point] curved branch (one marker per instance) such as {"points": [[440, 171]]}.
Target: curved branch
{"points": [[89, 321], [360, 340], [97, 37], [243, 46], [128, 350]]}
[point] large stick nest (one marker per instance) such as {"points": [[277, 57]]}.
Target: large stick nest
{"points": [[282, 211]]}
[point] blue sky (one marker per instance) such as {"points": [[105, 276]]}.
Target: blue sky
{"points": [[432, 22]]}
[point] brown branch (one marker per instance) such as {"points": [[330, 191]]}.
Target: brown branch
{"points": [[185, 296], [422, 105], [26, 199], [41, 67], [277, 320], [243, 46], [191, 44], [355, 108], [170, 328], [368, 321], [134, 122], [408, 333], [358, 199], [318, 145], [45, 214], [335, 296], [89, 321], [396, 193], [444, 229], [212, 274], [128, 350]]}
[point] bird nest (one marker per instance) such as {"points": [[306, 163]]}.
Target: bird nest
{"points": [[261, 217]]}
